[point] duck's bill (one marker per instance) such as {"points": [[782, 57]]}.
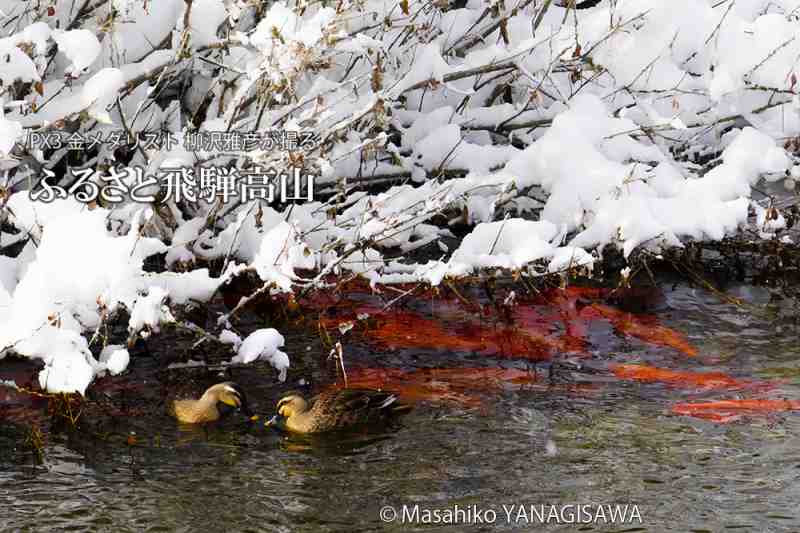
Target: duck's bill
{"points": [[273, 422]]}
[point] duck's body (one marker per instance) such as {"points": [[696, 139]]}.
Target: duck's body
{"points": [[212, 405], [336, 409], [195, 411]]}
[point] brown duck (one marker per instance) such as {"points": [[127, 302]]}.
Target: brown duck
{"points": [[216, 402], [336, 409]]}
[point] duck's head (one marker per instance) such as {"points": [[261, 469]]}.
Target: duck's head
{"points": [[230, 396], [288, 406]]}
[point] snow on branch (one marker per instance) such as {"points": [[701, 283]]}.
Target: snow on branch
{"points": [[302, 142]]}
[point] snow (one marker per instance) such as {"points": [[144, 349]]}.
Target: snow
{"points": [[281, 19], [69, 366], [191, 363], [150, 311], [31, 217], [426, 64], [8, 274], [509, 243], [16, 64], [138, 33], [588, 136], [100, 91], [445, 145], [753, 153], [280, 253], [242, 237], [197, 285], [10, 383], [264, 344], [10, 133], [229, 337], [37, 33], [76, 263], [205, 17], [615, 203], [115, 358], [80, 46], [568, 257], [77, 266]]}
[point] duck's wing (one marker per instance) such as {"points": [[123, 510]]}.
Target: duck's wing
{"points": [[354, 405]]}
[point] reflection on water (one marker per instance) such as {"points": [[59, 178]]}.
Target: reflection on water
{"points": [[613, 441]]}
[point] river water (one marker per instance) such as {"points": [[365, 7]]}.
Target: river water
{"points": [[577, 435]]}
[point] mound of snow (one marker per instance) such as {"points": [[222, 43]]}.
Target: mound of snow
{"points": [[280, 253], [80, 46], [264, 344], [115, 358]]}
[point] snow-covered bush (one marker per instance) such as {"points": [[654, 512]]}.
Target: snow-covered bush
{"points": [[551, 131]]}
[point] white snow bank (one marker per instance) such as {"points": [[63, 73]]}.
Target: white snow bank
{"points": [[77, 264], [264, 344], [79, 271], [582, 161], [69, 365], [509, 243]]}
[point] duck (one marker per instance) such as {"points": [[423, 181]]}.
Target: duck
{"points": [[336, 409], [216, 402]]}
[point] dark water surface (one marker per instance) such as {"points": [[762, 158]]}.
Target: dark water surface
{"points": [[613, 442]]}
